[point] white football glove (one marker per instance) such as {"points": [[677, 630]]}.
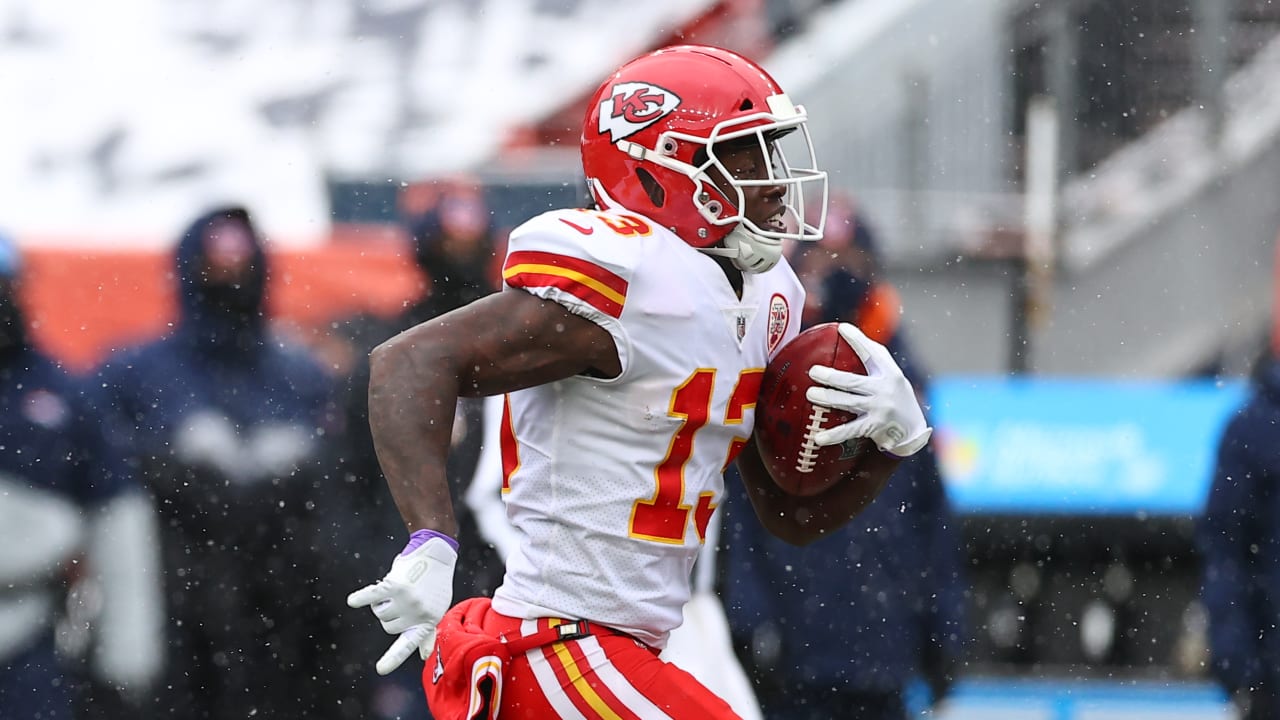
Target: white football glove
{"points": [[883, 400], [411, 599]]}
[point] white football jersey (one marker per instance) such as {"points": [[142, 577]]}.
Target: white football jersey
{"points": [[610, 484]]}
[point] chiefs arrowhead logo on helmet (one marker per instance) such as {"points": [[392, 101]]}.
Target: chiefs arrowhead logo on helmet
{"points": [[634, 106]]}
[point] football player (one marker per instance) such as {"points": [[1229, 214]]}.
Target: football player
{"points": [[630, 342]]}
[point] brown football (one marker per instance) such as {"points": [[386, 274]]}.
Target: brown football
{"points": [[786, 421]]}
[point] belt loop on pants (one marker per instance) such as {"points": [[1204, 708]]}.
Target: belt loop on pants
{"points": [[564, 632]]}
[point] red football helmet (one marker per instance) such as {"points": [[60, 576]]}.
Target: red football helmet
{"points": [[650, 137]]}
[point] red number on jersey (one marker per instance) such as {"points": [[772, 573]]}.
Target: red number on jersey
{"points": [[626, 224], [663, 518]]}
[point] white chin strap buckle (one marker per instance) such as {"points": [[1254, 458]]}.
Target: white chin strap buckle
{"points": [[751, 253]]}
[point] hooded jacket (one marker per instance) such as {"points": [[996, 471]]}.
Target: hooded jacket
{"points": [[217, 377], [224, 422]]}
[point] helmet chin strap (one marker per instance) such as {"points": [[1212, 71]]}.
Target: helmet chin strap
{"points": [[749, 252]]}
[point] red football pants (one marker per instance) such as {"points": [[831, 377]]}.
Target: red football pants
{"points": [[604, 675]]}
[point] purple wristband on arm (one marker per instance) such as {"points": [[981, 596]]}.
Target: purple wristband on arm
{"points": [[421, 536]]}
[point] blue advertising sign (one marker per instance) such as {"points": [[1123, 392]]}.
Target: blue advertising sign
{"points": [[1076, 699], [1037, 445]]}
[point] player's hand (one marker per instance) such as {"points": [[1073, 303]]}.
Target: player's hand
{"points": [[411, 599], [883, 400]]}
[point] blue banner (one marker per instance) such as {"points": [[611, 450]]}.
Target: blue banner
{"points": [[1037, 445], [1077, 699]]}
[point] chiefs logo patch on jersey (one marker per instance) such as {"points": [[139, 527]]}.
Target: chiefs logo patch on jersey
{"points": [[634, 106], [779, 318]]}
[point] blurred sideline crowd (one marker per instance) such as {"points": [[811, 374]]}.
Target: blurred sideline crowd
{"points": [[179, 527]]}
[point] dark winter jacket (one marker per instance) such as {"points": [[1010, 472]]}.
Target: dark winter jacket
{"points": [[51, 441], [1238, 538], [215, 367], [881, 599], [225, 425], [877, 602]]}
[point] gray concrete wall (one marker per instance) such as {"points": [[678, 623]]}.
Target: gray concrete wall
{"points": [[1190, 284], [1185, 287], [905, 95]]}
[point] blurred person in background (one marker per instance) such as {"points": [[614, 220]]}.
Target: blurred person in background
{"points": [[65, 496], [1238, 538], [455, 244], [224, 421], [629, 342], [841, 274], [451, 237], [841, 627]]}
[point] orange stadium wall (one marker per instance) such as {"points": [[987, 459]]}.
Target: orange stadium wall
{"points": [[82, 304]]}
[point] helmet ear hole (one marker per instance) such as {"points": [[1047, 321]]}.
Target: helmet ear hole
{"points": [[651, 187]]}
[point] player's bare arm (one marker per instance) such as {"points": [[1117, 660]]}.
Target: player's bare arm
{"points": [[802, 520], [504, 342]]}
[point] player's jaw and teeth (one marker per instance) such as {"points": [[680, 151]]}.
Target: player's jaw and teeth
{"points": [[765, 204]]}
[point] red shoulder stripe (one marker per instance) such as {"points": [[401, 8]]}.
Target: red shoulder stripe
{"points": [[601, 288]]}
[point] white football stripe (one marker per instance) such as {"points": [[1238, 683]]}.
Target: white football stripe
{"points": [[547, 678], [618, 684]]}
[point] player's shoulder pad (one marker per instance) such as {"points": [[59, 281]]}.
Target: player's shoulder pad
{"points": [[615, 240], [587, 254]]}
